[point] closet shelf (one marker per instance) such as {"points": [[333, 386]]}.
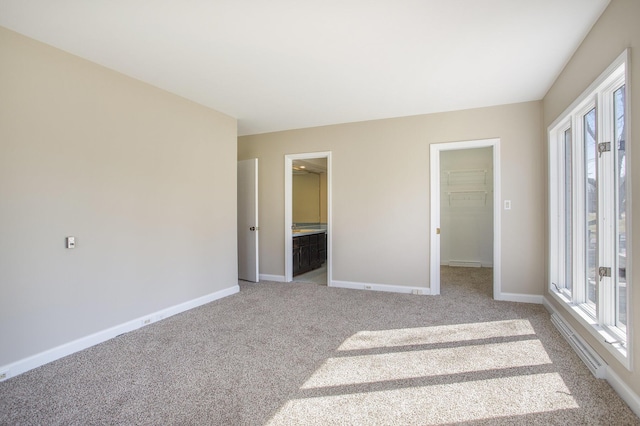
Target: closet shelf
{"points": [[466, 177], [468, 198]]}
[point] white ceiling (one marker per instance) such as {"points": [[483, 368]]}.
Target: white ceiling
{"points": [[285, 64]]}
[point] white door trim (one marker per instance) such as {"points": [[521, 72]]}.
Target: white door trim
{"points": [[288, 212], [435, 150]]}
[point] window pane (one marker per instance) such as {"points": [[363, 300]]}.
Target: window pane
{"points": [[589, 210], [568, 212], [621, 208], [591, 196]]}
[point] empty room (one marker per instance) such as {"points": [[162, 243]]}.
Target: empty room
{"points": [[275, 213]]}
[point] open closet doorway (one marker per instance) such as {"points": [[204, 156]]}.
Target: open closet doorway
{"points": [[308, 218], [465, 213]]}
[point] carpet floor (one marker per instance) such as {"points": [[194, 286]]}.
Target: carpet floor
{"points": [[300, 354]]}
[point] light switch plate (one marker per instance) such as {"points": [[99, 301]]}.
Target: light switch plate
{"points": [[71, 242]]}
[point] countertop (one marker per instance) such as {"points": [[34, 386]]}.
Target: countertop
{"points": [[303, 232]]}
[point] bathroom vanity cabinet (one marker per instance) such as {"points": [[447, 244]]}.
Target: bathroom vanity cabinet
{"points": [[309, 251]]}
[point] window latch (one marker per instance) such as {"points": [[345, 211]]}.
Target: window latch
{"points": [[604, 272], [603, 147]]}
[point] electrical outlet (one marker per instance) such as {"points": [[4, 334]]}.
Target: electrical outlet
{"points": [[367, 287], [416, 291], [4, 375], [146, 321]]}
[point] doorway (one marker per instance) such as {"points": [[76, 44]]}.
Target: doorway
{"points": [[467, 186], [312, 228]]}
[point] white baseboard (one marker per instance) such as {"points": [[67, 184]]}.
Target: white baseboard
{"points": [[29, 363], [466, 264], [380, 287], [518, 297], [276, 278], [626, 393], [548, 306]]}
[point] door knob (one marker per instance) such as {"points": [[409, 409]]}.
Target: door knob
{"points": [[253, 228]]}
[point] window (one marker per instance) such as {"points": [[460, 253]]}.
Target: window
{"points": [[589, 213]]}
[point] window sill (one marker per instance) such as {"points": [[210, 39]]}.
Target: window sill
{"points": [[609, 339]]}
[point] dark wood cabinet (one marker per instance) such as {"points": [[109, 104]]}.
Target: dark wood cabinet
{"points": [[296, 256], [309, 252]]}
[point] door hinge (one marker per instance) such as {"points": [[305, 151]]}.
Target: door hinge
{"points": [[603, 271], [603, 147]]}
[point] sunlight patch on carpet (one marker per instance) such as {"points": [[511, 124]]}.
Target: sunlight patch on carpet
{"points": [[438, 334], [349, 370], [437, 404], [432, 375]]}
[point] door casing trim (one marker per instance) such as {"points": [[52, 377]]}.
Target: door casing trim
{"points": [[288, 212], [435, 150]]}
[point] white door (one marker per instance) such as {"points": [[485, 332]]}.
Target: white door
{"points": [[248, 220]]}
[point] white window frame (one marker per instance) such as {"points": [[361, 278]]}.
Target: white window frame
{"points": [[598, 320]]}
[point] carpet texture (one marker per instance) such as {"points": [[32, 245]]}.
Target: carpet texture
{"points": [[303, 354]]}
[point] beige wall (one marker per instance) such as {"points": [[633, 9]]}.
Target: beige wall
{"points": [[305, 193], [143, 179], [381, 192], [616, 30]]}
